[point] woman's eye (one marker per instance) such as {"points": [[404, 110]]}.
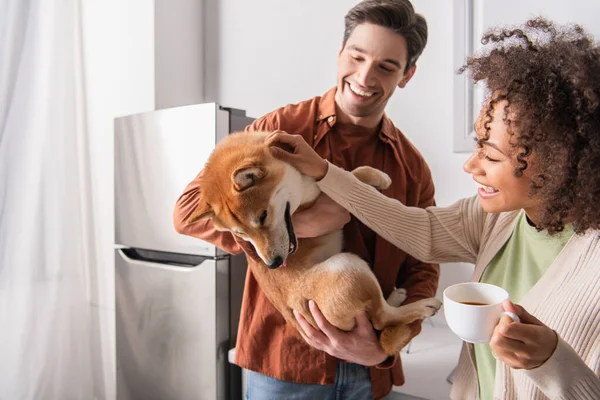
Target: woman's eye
{"points": [[491, 159], [263, 217]]}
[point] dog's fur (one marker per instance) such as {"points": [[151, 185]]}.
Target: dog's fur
{"points": [[242, 181]]}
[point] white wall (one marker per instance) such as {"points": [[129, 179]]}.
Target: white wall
{"points": [[179, 52], [268, 53], [119, 72]]}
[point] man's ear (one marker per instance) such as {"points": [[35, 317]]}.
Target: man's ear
{"points": [[246, 177], [407, 76], [202, 211]]}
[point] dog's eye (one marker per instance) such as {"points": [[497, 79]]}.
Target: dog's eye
{"points": [[263, 217]]}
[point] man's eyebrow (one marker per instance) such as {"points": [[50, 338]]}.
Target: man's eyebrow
{"points": [[387, 60]]}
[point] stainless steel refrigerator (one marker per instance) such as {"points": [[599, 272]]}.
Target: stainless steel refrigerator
{"points": [[177, 297]]}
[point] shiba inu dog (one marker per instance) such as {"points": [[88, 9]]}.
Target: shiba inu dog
{"points": [[248, 192]]}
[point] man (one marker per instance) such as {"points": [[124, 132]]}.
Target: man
{"points": [[347, 125]]}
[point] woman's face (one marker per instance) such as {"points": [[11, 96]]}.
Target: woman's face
{"points": [[493, 168]]}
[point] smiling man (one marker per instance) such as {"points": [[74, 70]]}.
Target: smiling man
{"points": [[347, 125], [369, 71]]}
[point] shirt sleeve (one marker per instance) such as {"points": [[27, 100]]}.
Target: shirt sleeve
{"points": [[566, 376], [202, 229], [266, 123]]}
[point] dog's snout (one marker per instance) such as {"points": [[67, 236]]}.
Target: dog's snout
{"points": [[276, 262]]}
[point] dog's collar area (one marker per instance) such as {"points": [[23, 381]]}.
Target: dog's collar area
{"points": [[290, 229]]}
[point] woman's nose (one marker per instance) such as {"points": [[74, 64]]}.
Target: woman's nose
{"points": [[472, 165]]}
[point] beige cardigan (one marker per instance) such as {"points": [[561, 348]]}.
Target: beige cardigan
{"points": [[566, 298]]}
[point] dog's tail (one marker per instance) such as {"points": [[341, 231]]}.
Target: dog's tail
{"points": [[394, 338]]}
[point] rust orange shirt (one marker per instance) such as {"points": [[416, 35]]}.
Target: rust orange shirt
{"points": [[268, 345]]}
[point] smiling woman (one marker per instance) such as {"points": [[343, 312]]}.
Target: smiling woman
{"points": [[546, 97], [493, 165]]}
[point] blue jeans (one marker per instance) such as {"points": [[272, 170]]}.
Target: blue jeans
{"points": [[352, 382]]}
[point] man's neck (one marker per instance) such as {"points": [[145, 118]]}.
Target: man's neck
{"points": [[371, 122]]}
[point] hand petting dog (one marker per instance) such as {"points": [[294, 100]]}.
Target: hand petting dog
{"points": [[294, 150], [522, 345], [359, 345]]}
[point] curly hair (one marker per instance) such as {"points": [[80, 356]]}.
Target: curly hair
{"points": [[550, 77]]}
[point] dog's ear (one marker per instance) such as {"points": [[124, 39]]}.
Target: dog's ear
{"points": [[202, 211], [246, 177]]}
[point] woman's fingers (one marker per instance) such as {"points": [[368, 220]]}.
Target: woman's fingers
{"points": [[280, 137]]}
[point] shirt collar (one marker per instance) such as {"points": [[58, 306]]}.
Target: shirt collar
{"points": [[327, 113]]}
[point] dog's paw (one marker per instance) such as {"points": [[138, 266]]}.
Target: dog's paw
{"points": [[374, 177], [397, 297], [431, 306], [384, 181]]}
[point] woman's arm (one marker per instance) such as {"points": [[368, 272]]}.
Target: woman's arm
{"points": [[565, 376], [550, 362], [432, 235]]}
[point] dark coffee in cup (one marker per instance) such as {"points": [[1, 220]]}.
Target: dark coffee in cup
{"points": [[474, 303]]}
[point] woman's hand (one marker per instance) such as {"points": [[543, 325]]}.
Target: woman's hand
{"points": [[522, 345], [294, 150]]}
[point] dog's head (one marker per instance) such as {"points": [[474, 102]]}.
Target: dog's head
{"points": [[249, 193]]}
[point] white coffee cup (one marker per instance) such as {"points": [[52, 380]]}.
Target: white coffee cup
{"points": [[475, 323]]}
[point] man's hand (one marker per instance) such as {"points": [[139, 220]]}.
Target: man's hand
{"points": [[324, 216], [359, 345], [522, 345]]}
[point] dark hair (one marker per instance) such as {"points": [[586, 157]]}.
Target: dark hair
{"points": [[550, 77], [397, 15]]}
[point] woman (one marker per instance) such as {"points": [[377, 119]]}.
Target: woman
{"points": [[533, 226]]}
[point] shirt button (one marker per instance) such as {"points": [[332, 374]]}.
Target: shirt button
{"points": [[330, 119], [315, 137]]}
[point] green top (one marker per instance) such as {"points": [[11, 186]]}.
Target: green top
{"points": [[517, 267]]}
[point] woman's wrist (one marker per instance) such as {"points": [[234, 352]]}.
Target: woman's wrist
{"points": [[322, 170]]}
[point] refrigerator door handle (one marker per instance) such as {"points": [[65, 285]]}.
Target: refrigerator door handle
{"points": [[171, 262]]}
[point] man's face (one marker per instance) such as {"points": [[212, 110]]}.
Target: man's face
{"points": [[370, 67]]}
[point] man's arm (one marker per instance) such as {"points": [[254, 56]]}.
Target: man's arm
{"points": [[266, 123], [203, 229]]}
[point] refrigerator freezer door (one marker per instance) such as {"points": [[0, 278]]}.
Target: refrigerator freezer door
{"points": [[172, 329], [156, 155]]}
